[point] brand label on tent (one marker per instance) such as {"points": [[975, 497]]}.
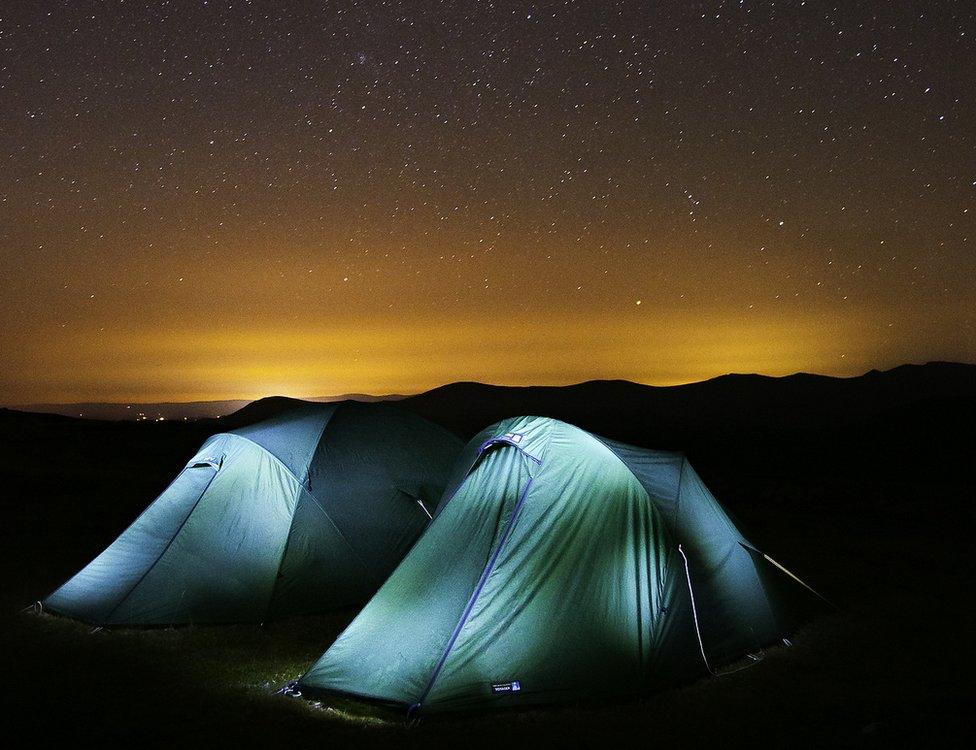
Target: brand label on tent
{"points": [[506, 687]]}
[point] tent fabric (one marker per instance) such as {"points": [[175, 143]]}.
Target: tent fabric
{"points": [[555, 570], [292, 436], [305, 512]]}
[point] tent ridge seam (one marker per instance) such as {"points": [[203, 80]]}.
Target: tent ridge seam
{"points": [[165, 549], [257, 444], [474, 462], [137, 518], [677, 495], [318, 440], [317, 504], [284, 552], [474, 596]]}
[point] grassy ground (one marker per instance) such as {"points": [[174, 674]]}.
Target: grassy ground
{"points": [[893, 668]]}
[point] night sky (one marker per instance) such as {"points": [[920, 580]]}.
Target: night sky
{"points": [[231, 199]]}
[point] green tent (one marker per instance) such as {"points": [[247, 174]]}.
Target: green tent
{"points": [[307, 511], [563, 566]]}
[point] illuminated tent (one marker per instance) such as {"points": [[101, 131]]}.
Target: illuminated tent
{"points": [[307, 511], [563, 567]]}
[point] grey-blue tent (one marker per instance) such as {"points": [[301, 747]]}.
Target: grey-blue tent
{"points": [[305, 512], [563, 567]]}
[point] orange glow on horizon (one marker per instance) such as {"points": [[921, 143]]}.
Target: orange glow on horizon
{"points": [[191, 365]]}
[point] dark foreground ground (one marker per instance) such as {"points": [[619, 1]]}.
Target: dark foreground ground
{"points": [[886, 531]]}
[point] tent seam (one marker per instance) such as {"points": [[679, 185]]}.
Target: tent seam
{"points": [[165, 549], [489, 567], [677, 496], [284, 551], [318, 441], [317, 504], [255, 443], [304, 488], [482, 449]]}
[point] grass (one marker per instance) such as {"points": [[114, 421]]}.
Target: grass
{"points": [[892, 668]]}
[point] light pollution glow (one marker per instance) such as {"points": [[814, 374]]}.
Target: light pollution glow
{"points": [[201, 365]]}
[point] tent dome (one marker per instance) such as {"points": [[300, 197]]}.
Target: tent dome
{"points": [[561, 566], [303, 512]]}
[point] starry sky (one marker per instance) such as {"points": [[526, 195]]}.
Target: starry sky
{"points": [[205, 200]]}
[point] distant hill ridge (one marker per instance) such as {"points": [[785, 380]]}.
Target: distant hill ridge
{"points": [[620, 408], [866, 441], [626, 410], [170, 410]]}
